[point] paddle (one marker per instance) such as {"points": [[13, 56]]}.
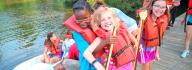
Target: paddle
{"points": [[143, 16], [111, 46]]}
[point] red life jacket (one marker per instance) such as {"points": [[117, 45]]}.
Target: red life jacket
{"points": [[54, 49], [162, 23], [123, 41], [151, 36], [87, 33], [154, 33], [169, 2], [189, 12], [67, 36]]}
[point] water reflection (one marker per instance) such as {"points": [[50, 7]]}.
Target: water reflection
{"points": [[24, 25]]}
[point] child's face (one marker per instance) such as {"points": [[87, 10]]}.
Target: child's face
{"points": [[107, 21], [159, 8], [83, 18], [54, 37]]}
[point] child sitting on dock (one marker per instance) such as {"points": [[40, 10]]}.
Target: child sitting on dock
{"points": [[52, 44]]}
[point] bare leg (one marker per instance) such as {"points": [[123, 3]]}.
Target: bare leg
{"points": [[150, 65], [188, 37], [54, 60], [145, 66], [187, 41], [45, 59]]}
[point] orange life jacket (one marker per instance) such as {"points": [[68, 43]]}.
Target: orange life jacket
{"points": [[87, 33], [154, 33], [151, 35], [67, 36], [54, 49], [127, 54], [169, 2], [189, 12], [162, 23]]}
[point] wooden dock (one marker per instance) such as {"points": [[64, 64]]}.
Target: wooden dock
{"points": [[172, 47]]}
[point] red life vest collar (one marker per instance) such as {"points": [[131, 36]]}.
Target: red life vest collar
{"points": [[67, 36], [87, 33]]}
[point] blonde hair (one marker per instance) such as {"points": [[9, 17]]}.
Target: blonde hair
{"points": [[96, 22]]}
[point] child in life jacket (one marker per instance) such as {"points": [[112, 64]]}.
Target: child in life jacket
{"points": [[123, 53], [52, 44], [154, 27], [130, 22], [83, 35], [71, 50]]}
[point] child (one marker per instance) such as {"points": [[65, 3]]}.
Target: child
{"points": [[186, 52], [154, 28], [68, 40], [82, 34], [130, 22], [52, 44], [70, 47], [122, 54]]}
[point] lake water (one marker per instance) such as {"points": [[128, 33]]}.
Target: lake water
{"points": [[24, 25]]}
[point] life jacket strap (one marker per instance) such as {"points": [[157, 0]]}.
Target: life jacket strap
{"points": [[152, 39], [120, 51]]}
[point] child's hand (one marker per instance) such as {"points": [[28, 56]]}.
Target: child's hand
{"points": [[111, 40]]}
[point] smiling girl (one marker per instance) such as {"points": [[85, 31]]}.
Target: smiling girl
{"points": [[154, 28], [122, 53]]}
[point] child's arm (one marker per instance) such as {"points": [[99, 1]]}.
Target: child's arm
{"points": [[133, 39], [46, 56], [89, 56], [109, 40]]}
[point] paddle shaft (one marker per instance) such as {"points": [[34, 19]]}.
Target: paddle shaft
{"points": [[139, 41], [111, 49]]}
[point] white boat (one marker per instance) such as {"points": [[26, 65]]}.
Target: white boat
{"points": [[34, 64]]}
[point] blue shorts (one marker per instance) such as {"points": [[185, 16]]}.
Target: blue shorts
{"points": [[189, 23], [57, 55]]}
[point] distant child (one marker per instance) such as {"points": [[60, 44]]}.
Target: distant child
{"points": [[71, 50], [52, 44]]}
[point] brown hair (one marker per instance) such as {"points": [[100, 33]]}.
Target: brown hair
{"points": [[48, 40], [98, 4]]}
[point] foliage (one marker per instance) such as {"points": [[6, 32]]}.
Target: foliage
{"points": [[127, 6]]}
